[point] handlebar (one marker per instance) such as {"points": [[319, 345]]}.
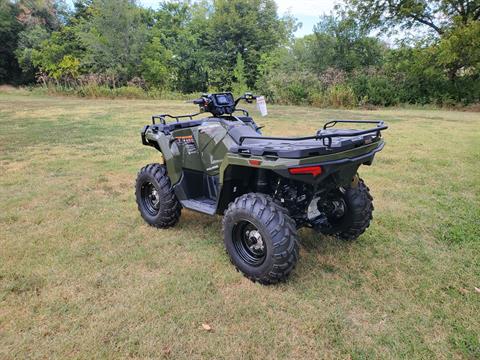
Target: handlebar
{"points": [[248, 97], [199, 101]]}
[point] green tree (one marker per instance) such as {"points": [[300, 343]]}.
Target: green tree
{"points": [[9, 30], [155, 61], [29, 40], [459, 50], [442, 65], [39, 19], [315, 52], [50, 14], [114, 35], [180, 25], [437, 15], [250, 28], [60, 54], [240, 83], [341, 42]]}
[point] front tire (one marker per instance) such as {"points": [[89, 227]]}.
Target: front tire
{"points": [[155, 197], [260, 238]]}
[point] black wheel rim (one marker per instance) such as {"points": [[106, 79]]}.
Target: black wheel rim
{"points": [[150, 198], [249, 243]]}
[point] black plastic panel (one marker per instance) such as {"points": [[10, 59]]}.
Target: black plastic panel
{"points": [[196, 184]]}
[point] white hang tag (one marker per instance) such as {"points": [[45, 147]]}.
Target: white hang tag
{"points": [[262, 105]]}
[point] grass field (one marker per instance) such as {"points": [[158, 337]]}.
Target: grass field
{"points": [[81, 275]]}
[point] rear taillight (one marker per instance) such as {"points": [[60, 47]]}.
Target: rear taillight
{"points": [[255, 162], [312, 170]]}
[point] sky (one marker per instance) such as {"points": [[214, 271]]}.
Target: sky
{"points": [[306, 11]]}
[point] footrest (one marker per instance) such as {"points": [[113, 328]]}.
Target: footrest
{"points": [[203, 205]]}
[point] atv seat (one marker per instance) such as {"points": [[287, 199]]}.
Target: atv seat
{"points": [[237, 132]]}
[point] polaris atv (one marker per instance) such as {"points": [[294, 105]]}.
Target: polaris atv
{"points": [[265, 187]]}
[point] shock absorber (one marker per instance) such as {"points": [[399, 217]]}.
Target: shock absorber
{"points": [[262, 181]]}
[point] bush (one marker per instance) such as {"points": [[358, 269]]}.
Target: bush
{"points": [[376, 89], [130, 92], [94, 91], [329, 89], [337, 96], [294, 88]]}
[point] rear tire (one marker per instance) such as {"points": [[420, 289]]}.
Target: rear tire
{"points": [[155, 197], [260, 238], [358, 214]]}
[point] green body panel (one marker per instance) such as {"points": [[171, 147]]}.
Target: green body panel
{"points": [[170, 153], [213, 145], [276, 164]]}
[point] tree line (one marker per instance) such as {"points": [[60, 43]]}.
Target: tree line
{"points": [[187, 46]]}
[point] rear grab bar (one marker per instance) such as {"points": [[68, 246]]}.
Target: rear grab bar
{"points": [[321, 135]]}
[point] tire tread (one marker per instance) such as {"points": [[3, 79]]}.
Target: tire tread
{"points": [[280, 227], [170, 209], [363, 213]]}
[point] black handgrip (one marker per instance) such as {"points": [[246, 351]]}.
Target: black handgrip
{"points": [[249, 97], [200, 101]]}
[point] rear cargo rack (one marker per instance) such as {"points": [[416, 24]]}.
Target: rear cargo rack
{"points": [[327, 137]]}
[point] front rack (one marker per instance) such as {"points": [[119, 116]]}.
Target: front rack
{"points": [[321, 135], [163, 120], [162, 117]]}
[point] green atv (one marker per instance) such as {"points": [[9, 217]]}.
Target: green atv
{"points": [[265, 187]]}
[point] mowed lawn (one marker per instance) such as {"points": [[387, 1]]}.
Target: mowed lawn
{"points": [[82, 276]]}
